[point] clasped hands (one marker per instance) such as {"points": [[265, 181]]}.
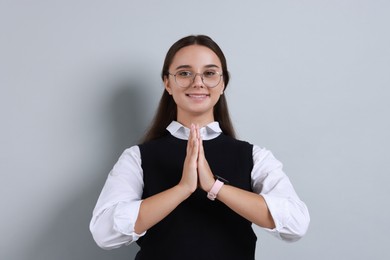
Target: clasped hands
{"points": [[196, 170]]}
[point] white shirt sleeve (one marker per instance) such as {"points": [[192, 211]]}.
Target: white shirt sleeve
{"points": [[116, 211], [290, 214]]}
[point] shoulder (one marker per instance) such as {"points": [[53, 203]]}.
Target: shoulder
{"points": [[235, 142], [260, 155], [264, 157], [130, 154], [229, 145], [160, 146], [129, 161], [155, 141], [166, 138]]}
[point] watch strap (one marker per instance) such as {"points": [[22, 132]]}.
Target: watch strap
{"points": [[212, 194]]}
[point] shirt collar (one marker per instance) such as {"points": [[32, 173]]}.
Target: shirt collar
{"points": [[207, 132]]}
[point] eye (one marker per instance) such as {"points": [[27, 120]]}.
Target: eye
{"points": [[184, 74], [210, 74]]}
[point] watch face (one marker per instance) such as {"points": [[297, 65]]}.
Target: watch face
{"points": [[221, 179]]}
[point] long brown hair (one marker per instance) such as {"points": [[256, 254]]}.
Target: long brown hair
{"points": [[167, 110]]}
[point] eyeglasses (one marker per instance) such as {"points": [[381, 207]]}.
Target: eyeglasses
{"points": [[185, 78]]}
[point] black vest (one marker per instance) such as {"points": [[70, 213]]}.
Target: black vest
{"points": [[198, 228]]}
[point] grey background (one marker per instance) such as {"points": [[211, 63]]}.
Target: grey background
{"points": [[80, 83]]}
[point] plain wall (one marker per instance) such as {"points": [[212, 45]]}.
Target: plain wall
{"points": [[80, 82]]}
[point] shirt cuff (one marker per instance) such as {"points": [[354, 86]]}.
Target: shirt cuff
{"points": [[278, 208], [125, 216]]}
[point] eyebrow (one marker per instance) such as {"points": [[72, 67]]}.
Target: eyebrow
{"points": [[189, 67]]}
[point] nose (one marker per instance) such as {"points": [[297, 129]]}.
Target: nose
{"points": [[198, 81]]}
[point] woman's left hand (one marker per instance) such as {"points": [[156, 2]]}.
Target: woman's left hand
{"points": [[205, 175]]}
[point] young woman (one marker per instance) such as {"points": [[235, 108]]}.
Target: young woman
{"points": [[191, 190]]}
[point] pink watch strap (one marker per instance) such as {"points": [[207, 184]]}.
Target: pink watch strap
{"points": [[212, 194]]}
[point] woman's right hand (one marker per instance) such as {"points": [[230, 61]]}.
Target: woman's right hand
{"points": [[189, 179]]}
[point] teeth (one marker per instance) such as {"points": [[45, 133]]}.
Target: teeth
{"points": [[197, 96]]}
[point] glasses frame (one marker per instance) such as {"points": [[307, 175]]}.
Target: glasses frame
{"points": [[193, 79]]}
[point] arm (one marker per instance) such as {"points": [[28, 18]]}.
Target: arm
{"points": [[116, 210], [273, 205], [157, 207], [247, 204], [290, 214], [121, 216]]}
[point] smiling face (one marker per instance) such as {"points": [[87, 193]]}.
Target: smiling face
{"points": [[194, 103]]}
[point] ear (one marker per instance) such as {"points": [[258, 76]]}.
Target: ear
{"points": [[167, 86]]}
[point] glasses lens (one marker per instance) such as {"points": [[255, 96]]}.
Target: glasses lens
{"points": [[184, 78], [211, 78]]}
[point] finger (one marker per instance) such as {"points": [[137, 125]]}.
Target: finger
{"points": [[193, 135], [198, 138], [201, 149], [190, 141], [194, 142]]}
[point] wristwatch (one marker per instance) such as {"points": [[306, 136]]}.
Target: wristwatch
{"points": [[219, 182]]}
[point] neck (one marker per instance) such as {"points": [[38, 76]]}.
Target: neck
{"points": [[200, 120]]}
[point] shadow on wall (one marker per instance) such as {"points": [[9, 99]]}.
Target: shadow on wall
{"points": [[68, 236]]}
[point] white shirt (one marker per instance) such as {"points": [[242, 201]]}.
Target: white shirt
{"points": [[117, 208]]}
